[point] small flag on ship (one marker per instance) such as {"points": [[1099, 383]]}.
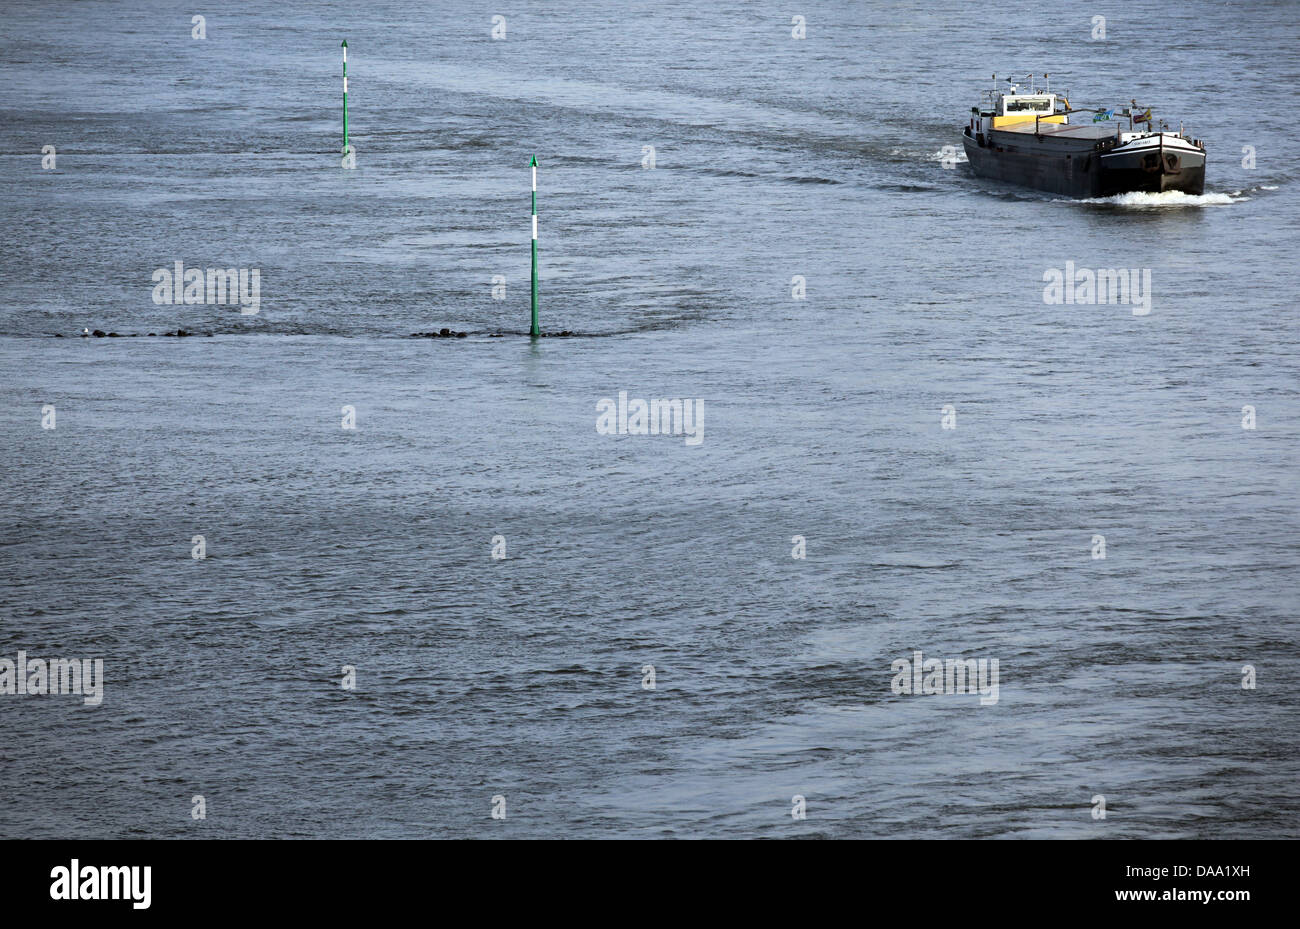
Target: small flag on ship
{"points": [[1143, 117], [1103, 115]]}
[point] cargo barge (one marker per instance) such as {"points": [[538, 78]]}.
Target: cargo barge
{"points": [[1029, 139]]}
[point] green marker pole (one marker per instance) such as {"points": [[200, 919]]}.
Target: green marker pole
{"points": [[533, 332], [345, 96]]}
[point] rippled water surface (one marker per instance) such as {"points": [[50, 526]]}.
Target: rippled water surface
{"points": [[522, 677]]}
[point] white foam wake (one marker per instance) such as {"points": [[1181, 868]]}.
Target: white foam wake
{"points": [[1167, 198], [950, 154]]}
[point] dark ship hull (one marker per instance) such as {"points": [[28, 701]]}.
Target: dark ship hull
{"points": [[1087, 160]]}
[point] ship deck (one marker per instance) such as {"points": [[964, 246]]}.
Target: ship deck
{"points": [[1093, 132]]}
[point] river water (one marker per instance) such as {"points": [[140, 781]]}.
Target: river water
{"points": [[522, 677]]}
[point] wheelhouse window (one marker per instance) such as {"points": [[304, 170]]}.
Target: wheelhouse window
{"points": [[1029, 105]]}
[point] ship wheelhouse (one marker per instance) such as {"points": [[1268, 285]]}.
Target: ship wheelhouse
{"points": [[1002, 110]]}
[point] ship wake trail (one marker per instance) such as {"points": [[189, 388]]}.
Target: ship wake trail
{"points": [[1167, 199]]}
